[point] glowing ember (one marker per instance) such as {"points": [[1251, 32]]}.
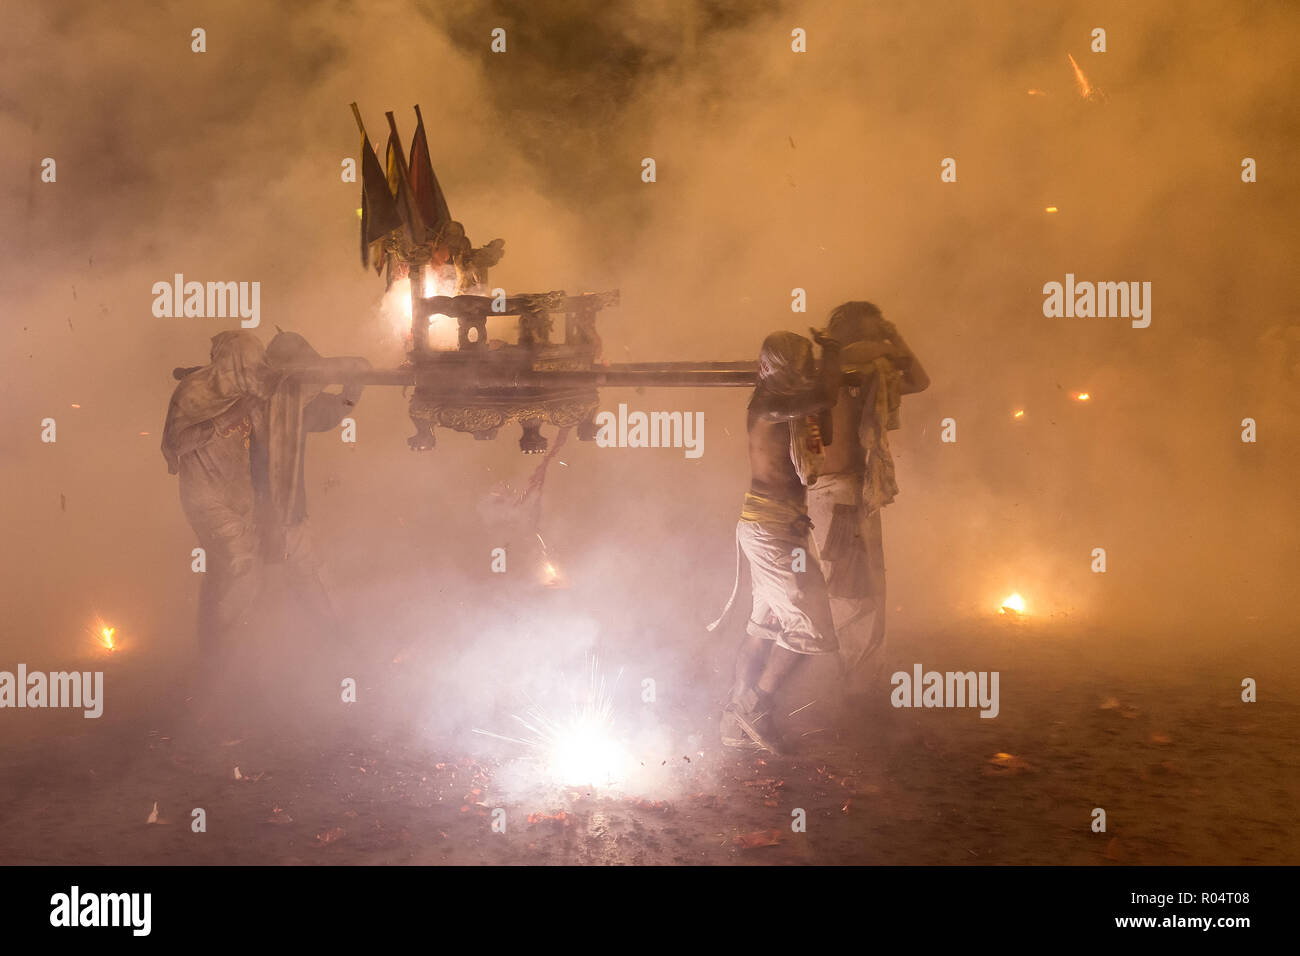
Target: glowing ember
{"points": [[1018, 413], [1014, 604], [552, 577], [1082, 397], [1037, 93], [1051, 209], [105, 636]]}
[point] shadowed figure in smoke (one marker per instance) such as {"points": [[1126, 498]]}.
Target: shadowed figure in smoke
{"points": [[858, 479], [206, 441], [791, 618], [279, 450]]}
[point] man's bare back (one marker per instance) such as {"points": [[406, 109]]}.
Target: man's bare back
{"points": [[772, 471]]}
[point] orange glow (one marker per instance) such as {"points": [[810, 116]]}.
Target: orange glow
{"points": [[75, 405], [1037, 93], [1051, 209], [1082, 397], [1013, 604], [1019, 413], [396, 310], [106, 637], [552, 577], [1085, 88]]}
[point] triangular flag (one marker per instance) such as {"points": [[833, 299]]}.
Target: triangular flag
{"points": [[378, 210], [424, 184], [398, 186]]}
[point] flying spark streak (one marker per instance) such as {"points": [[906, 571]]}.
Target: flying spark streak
{"points": [[1018, 413], [1051, 209], [804, 707], [1085, 88]]}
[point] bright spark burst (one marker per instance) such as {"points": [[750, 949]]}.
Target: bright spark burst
{"points": [[104, 635], [1013, 603], [580, 747]]}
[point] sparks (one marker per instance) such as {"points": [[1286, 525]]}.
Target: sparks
{"points": [[1051, 209], [580, 748], [1018, 413], [104, 636], [1013, 604], [1085, 88], [1082, 397]]}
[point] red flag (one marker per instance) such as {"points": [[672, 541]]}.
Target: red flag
{"points": [[424, 184]]}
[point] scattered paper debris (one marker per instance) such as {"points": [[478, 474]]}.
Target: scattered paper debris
{"points": [[757, 839]]}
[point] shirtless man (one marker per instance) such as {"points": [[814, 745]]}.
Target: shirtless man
{"points": [[858, 478], [791, 617]]}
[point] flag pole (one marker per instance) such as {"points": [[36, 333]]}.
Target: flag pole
{"points": [[356, 114], [416, 255]]}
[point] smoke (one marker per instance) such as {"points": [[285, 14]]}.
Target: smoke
{"points": [[775, 170]]}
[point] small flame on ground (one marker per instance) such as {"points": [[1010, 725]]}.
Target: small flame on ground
{"points": [[1013, 603]]}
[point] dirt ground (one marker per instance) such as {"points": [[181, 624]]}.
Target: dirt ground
{"points": [[1186, 772]]}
